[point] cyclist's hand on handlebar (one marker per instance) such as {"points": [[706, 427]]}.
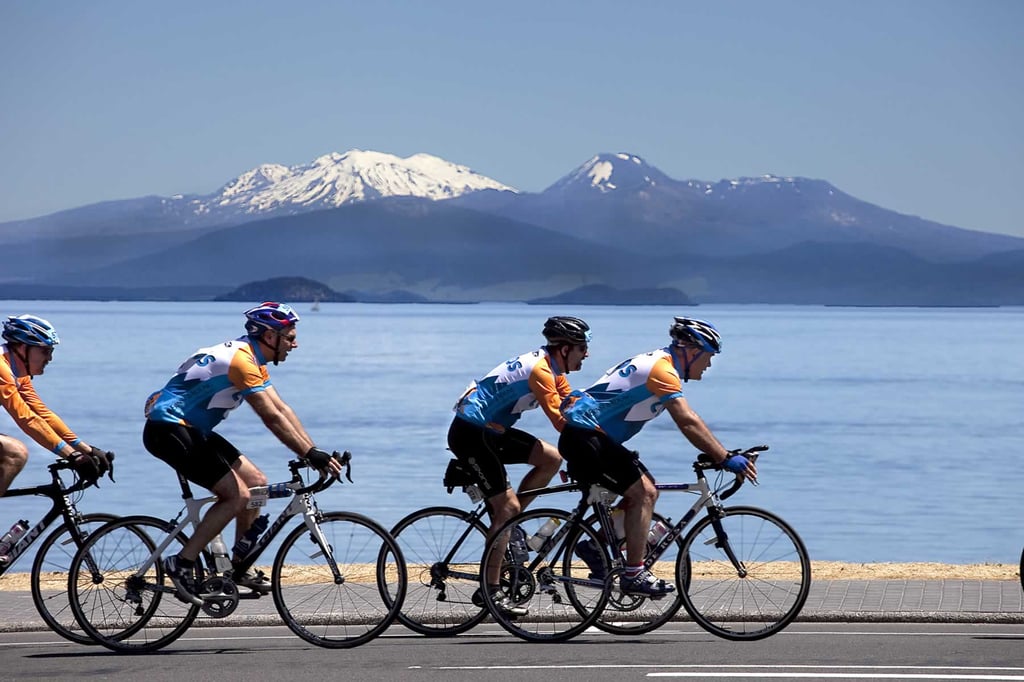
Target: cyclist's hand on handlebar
{"points": [[741, 466], [102, 458], [86, 466], [323, 462]]}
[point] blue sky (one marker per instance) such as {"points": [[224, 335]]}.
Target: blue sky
{"points": [[912, 105]]}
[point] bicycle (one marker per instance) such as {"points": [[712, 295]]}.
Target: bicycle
{"points": [[49, 576], [442, 547], [741, 573], [325, 581]]}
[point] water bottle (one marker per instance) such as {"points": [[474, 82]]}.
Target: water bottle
{"points": [[619, 524], [220, 554], [246, 542], [258, 497], [275, 490], [11, 537], [543, 533], [658, 530]]}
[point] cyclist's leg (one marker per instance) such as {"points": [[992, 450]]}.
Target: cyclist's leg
{"points": [[484, 452], [250, 475], [546, 461], [13, 455]]}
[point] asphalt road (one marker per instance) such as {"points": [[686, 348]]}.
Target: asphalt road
{"points": [[816, 651]]}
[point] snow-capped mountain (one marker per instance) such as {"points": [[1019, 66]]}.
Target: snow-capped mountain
{"points": [[336, 179], [607, 173]]}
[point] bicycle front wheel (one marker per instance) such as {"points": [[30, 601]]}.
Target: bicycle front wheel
{"points": [[118, 590], [50, 577], [759, 596], [546, 594], [442, 547], [341, 583]]}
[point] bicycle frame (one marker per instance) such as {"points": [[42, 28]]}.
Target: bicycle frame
{"points": [[61, 507], [302, 503]]}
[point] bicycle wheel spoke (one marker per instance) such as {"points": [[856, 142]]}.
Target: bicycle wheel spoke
{"points": [[122, 607], [349, 609], [50, 578], [439, 601], [758, 600], [547, 594]]}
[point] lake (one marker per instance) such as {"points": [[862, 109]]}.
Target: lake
{"points": [[895, 433]]}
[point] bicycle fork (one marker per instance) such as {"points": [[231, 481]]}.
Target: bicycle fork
{"points": [[721, 541]]}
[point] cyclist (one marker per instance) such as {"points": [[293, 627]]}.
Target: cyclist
{"points": [[614, 409], [181, 416], [481, 434], [27, 350]]}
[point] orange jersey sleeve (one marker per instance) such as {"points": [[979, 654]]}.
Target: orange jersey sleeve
{"points": [[30, 413], [663, 381], [549, 389]]}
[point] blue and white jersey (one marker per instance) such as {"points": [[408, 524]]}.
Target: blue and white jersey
{"points": [[211, 383], [627, 396], [516, 385]]}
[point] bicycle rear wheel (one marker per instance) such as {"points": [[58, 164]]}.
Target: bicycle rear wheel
{"points": [[119, 593], [442, 547], [633, 614], [352, 607], [560, 599], [761, 598], [50, 577]]}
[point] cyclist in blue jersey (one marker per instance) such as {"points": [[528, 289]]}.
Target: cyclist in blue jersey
{"points": [[615, 408], [181, 416], [482, 437]]}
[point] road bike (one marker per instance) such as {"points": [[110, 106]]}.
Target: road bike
{"points": [[741, 573], [338, 579], [49, 577]]}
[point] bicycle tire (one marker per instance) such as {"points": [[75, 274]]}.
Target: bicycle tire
{"points": [[560, 602], [767, 598], [49, 577], [1021, 572], [118, 609], [627, 614], [357, 607], [439, 590]]}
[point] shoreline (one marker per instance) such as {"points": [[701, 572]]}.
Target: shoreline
{"points": [[820, 570]]}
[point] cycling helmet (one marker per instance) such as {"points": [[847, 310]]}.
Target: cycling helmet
{"points": [[689, 332], [564, 329], [30, 330], [269, 315]]}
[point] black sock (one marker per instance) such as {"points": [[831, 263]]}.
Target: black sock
{"points": [[186, 563]]}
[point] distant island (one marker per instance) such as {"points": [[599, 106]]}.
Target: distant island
{"points": [[286, 289], [600, 294], [305, 290]]}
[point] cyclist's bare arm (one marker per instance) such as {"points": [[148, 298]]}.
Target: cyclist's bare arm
{"points": [[280, 419], [698, 433]]}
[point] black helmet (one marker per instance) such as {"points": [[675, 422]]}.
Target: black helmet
{"points": [[689, 332], [565, 329]]}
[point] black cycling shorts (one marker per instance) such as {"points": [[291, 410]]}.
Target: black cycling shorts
{"points": [[202, 458], [486, 452], [592, 457]]}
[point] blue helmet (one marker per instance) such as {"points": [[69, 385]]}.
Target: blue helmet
{"points": [[689, 332], [30, 330], [269, 315]]}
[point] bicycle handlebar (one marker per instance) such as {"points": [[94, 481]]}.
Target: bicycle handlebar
{"points": [[704, 462], [324, 481], [80, 484]]}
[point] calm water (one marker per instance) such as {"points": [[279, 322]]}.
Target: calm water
{"points": [[896, 433]]}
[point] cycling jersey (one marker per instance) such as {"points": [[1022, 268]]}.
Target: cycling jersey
{"points": [[210, 384], [19, 398], [628, 395], [523, 383]]}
